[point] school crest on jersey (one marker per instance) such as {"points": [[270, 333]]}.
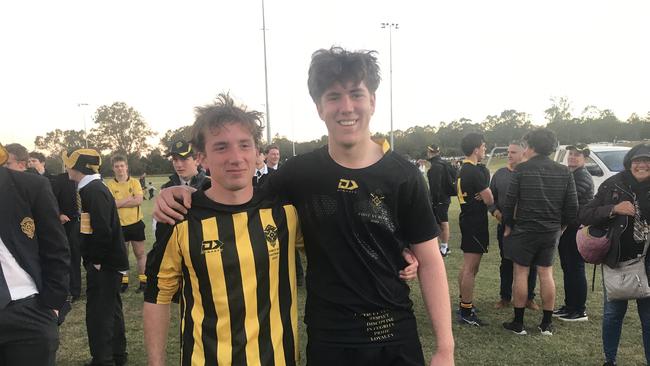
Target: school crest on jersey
{"points": [[28, 228], [271, 234]]}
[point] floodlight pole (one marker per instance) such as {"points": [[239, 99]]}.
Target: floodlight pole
{"points": [[266, 80], [80, 105], [390, 27]]}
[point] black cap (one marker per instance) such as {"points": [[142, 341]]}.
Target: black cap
{"points": [[181, 148], [642, 152], [581, 148]]}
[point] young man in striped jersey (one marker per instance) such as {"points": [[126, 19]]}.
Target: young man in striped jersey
{"points": [[360, 206], [232, 255]]}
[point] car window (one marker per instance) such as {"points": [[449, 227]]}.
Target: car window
{"points": [[593, 168], [613, 160]]}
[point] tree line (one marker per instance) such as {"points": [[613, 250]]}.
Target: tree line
{"points": [[119, 128]]}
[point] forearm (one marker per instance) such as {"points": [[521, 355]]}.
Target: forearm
{"points": [[129, 202], [156, 327], [435, 293]]}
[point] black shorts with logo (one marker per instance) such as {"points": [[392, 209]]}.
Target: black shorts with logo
{"points": [[531, 248], [134, 232]]}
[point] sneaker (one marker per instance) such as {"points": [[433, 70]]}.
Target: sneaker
{"points": [[141, 288], [502, 304], [546, 329], [530, 304], [516, 328], [609, 363], [445, 251], [472, 319], [575, 316], [560, 312]]}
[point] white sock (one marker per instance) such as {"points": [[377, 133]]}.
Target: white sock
{"points": [[443, 245]]}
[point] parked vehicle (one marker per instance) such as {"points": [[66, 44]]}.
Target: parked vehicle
{"points": [[604, 161]]}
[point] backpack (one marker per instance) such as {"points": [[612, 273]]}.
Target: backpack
{"points": [[449, 180]]}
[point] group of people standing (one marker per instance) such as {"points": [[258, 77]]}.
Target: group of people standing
{"points": [[226, 245], [539, 206]]}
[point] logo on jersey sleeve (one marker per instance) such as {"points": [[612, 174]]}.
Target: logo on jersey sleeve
{"points": [[211, 246], [347, 185]]}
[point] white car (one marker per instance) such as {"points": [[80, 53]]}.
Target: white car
{"points": [[603, 161]]}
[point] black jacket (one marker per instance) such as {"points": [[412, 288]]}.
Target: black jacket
{"points": [[197, 181], [264, 178], [105, 245], [30, 229], [442, 178], [611, 192], [65, 192], [544, 195], [584, 188]]}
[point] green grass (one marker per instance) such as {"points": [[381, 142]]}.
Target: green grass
{"points": [[572, 344]]}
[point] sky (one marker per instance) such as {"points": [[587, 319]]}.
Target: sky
{"points": [[450, 59]]}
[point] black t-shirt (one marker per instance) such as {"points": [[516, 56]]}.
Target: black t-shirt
{"points": [[355, 224], [472, 179]]}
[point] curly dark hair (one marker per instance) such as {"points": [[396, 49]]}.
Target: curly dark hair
{"points": [[340, 65]]}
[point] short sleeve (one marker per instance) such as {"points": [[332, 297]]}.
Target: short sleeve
{"points": [[136, 187], [164, 264], [416, 218]]}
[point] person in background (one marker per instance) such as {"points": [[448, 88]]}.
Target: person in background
{"points": [[540, 203], [186, 166], [622, 204], [18, 158], [442, 181], [474, 196], [499, 187], [36, 161], [573, 265], [34, 265], [273, 157], [128, 199], [104, 257]]}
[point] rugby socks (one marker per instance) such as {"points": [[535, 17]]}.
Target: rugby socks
{"points": [[519, 315], [547, 317], [125, 280], [142, 278], [466, 309], [443, 247]]}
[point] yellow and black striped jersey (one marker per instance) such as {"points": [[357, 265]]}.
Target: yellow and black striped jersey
{"points": [[236, 269]]}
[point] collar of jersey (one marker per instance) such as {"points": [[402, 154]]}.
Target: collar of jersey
{"points": [[469, 161], [385, 145]]}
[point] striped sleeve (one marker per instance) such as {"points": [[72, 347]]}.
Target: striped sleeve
{"points": [[164, 264]]}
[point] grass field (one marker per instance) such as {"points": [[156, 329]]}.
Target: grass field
{"points": [[572, 344]]}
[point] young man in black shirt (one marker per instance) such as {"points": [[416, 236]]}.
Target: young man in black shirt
{"points": [[442, 182], [360, 206], [104, 256], [474, 196]]}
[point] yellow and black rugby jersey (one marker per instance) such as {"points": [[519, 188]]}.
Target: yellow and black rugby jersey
{"points": [[472, 179], [121, 190], [236, 269]]}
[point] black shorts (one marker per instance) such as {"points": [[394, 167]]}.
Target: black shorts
{"points": [[474, 237], [441, 211], [327, 354], [134, 232], [531, 248]]}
